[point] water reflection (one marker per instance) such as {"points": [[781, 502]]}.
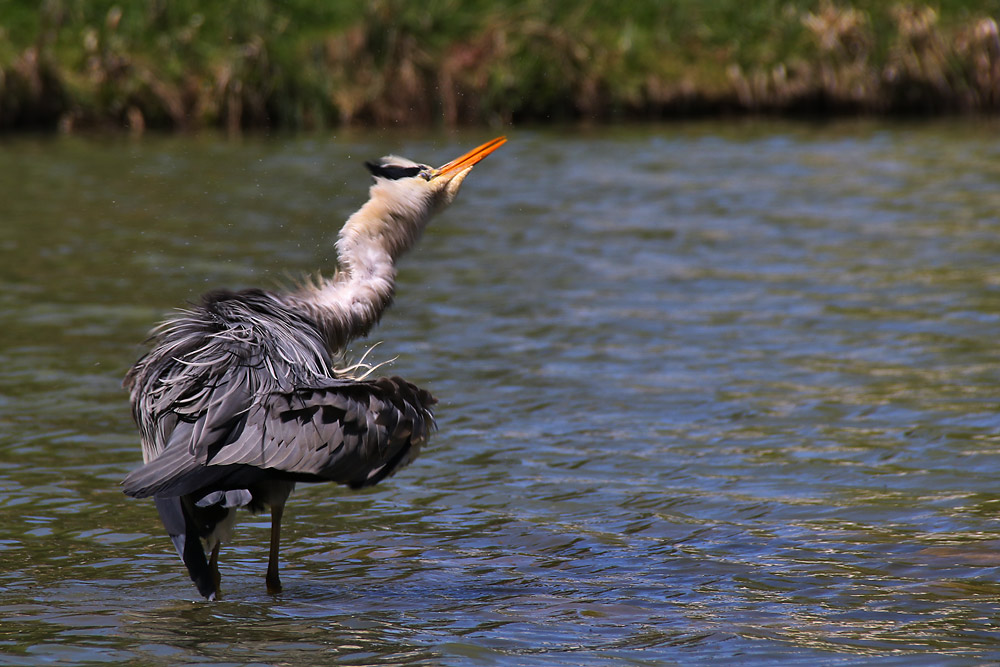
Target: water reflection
{"points": [[733, 399]]}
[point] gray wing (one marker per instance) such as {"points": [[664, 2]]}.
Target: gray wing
{"points": [[354, 433], [212, 364], [239, 388]]}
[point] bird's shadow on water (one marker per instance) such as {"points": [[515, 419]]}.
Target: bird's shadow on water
{"points": [[378, 622], [336, 596], [343, 616]]}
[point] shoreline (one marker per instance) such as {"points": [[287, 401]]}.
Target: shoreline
{"points": [[150, 65]]}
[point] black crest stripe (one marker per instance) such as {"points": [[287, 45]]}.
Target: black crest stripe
{"points": [[391, 171]]}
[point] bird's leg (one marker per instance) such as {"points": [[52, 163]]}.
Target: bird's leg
{"points": [[272, 580], [213, 565]]}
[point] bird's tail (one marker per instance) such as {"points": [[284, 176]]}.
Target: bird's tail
{"points": [[183, 530]]}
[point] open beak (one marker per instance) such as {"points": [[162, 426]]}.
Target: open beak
{"points": [[466, 161]]}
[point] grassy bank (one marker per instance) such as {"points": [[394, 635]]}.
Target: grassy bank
{"points": [[308, 63]]}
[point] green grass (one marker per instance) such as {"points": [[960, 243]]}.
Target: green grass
{"points": [[314, 63]]}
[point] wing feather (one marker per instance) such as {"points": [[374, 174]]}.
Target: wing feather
{"points": [[354, 433], [241, 385]]}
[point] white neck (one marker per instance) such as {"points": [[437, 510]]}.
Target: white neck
{"points": [[350, 303]]}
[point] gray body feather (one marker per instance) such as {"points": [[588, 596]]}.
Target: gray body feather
{"points": [[238, 400], [241, 388]]}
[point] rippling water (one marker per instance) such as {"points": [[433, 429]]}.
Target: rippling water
{"points": [[708, 392]]}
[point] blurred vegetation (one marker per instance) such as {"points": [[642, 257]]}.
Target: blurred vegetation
{"points": [[184, 64]]}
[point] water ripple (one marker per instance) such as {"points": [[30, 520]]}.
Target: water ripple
{"points": [[732, 399]]}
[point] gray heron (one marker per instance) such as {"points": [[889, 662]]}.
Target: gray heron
{"points": [[239, 398]]}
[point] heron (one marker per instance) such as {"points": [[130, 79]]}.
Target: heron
{"points": [[239, 397]]}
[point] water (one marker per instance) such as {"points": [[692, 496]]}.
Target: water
{"points": [[708, 392]]}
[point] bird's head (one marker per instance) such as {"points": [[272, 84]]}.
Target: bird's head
{"points": [[405, 195]]}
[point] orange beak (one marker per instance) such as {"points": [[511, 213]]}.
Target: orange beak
{"points": [[466, 161]]}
